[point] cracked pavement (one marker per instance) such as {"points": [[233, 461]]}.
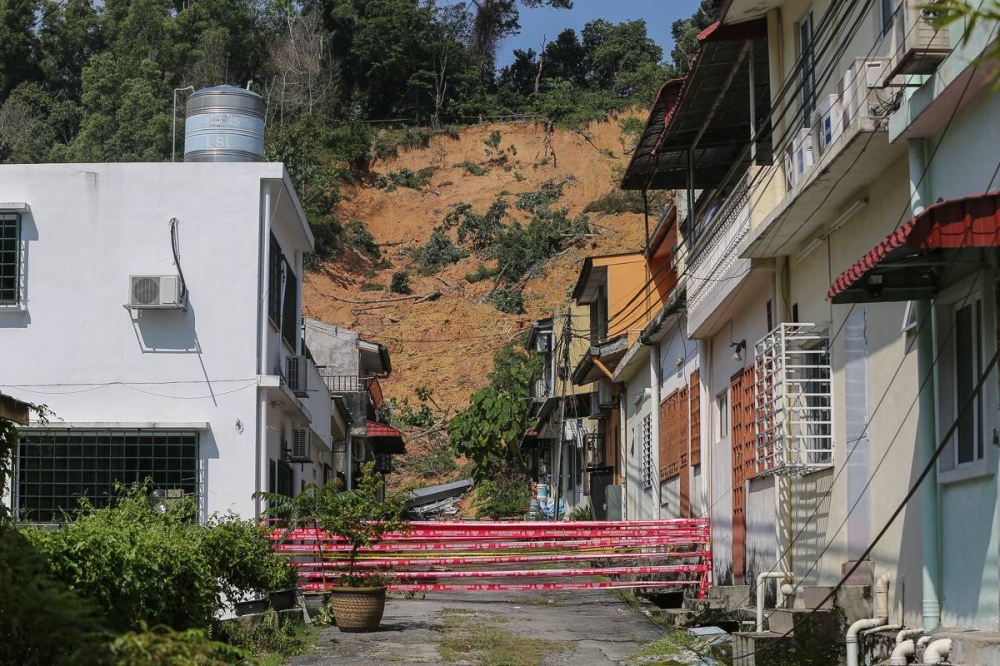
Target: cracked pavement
{"points": [[594, 626]]}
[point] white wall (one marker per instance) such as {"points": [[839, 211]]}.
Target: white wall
{"points": [[78, 350], [678, 359], [641, 502]]}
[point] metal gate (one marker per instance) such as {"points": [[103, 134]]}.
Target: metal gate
{"points": [[515, 556]]}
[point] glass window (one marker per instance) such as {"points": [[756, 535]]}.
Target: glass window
{"points": [[274, 268], [10, 258], [289, 315], [968, 361], [57, 467], [722, 416]]}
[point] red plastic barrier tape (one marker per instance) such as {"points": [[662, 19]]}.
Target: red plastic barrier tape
{"points": [[520, 587], [479, 549], [400, 562]]}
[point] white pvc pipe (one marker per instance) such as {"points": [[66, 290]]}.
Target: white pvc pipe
{"points": [[881, 618], [901, 653], [907, 633], [880, 629], [937, 651], [923, 641], [782, 575]]}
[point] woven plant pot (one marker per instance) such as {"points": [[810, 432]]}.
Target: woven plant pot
{"points": [[357, 609]]}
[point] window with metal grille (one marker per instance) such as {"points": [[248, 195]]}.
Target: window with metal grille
{"points": [[647, 451], [793, 408], [10, 258], [274, 268], [55, 468]]}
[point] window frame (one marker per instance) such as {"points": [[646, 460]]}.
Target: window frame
{"points": [[807, 65], [92, 447], [646, 451], [16, 217]]}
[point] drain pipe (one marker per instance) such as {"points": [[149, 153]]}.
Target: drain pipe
{"points": [[782, 575], [901, 653], [881, 618], [926, 421], [937, 651], [907, 633]]}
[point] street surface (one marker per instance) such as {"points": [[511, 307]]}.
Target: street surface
{"points": [[493, 629]]}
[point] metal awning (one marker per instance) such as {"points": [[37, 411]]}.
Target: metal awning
{"points": [[384, 438], [930, 252], [710, 110], [609, 353]]}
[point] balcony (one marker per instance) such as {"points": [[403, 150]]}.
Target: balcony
{"points": [[793, 405], [918, 45], [716, 269], [829, 165], [363, 396]]}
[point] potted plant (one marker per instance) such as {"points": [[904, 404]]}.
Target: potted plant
{"points": [[295, 513], [361, 517]]}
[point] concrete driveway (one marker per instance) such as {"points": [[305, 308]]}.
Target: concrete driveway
{"points": [[491, 629]]}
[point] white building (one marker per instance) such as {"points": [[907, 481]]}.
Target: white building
{"points": [[214, 396]]}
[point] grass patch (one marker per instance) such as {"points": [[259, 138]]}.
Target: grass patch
{"points": [[628, 596], [415, 180], [536, 601], [472, 168], [372, 286], [673, 648], [464, 639], [270, 642]]}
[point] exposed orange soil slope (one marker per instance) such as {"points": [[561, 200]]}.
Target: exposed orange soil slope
{"points": [[447, 344]]}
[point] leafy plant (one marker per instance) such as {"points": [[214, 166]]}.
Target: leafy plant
{"points": [[506, 494], [508, 300], [482, 272], [242, 558], [472, 168], [400, 283], [162, 646], [269, 636], [361, 516], [479, 231], [414, 180], [357, 235], [547, 193], [438, 252]]}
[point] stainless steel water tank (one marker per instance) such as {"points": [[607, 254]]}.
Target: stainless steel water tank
{"points": [[224, 124]]}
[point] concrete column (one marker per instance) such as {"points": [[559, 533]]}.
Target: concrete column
{"points": [[926, 425]]}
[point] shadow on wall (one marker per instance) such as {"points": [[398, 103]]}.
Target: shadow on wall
{"points": [[810, 526], [208, 449], [166, 331]]}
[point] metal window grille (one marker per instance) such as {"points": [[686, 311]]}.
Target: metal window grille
{"points": [[10, 258], [55, 468], [793, 401], [647, 451], [274, 282]]}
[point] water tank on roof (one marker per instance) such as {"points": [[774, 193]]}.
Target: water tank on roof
{"points": [[224, 124]]}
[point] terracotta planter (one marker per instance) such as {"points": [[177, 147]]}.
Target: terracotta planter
{"points": [[315, 601], [358, 609]]}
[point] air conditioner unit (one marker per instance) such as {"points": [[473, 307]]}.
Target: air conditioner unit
{"points": [[358, 450], [155, 292], [543, 343], [296, 374], [571, 430], [830, 116], [605, 393], [301, 449], [857, 88], [803, 155], [595, 404]]}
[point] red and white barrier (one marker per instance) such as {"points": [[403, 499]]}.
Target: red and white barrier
{"points": [[430, 552]]}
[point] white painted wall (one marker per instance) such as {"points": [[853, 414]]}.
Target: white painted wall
{"points": [[678, 359], [642, 502], [76, 348]]}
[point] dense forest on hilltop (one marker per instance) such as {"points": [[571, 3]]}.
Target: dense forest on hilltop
{"points": [[345, 81]]}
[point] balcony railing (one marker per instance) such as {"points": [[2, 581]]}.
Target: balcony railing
{"points": [[715, 266], [793, 404], [360, 393]]}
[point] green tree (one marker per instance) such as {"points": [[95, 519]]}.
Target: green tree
{"points": [[70, 34], [497, 19], [566, 58], [19, 44], [685, 34]]}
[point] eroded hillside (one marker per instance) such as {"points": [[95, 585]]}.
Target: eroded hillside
{"points": [[445, 344]]}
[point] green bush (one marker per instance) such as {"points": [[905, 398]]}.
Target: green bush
{"points": [[438, 252], [42, 621], [357, 235], [507, 299], [547, 193], [372, 286], [505, 495], [164, 647], [266, 637], [479, 231], [472, 168], [482, 272], [400, 283], [388, 142], [142, 566], [414, 180]]}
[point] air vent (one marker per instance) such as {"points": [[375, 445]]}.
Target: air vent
{"points": [[155, 292], [301, 450]]}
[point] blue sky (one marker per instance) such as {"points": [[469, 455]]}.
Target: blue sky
{"points": [[536, 23]]}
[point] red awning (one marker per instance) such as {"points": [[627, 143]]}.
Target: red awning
{"points": [[385, 438], [901, 259]]}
